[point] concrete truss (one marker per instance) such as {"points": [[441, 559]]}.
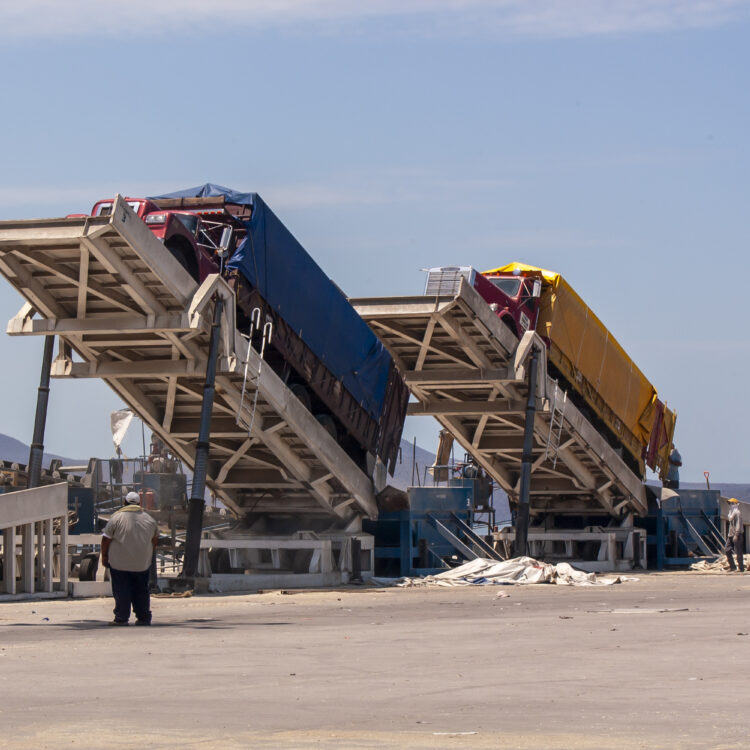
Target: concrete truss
{"points": [[127, 312], [465, 368]]}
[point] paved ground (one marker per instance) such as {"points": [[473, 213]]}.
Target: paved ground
{"points": [[545, 667]]}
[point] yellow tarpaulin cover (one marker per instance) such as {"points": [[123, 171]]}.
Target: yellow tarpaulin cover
{"points": [[595, 364]]}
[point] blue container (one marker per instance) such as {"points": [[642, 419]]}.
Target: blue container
{"points": [[81, 501]]}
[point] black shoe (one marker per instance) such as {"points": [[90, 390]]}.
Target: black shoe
{"points": [[118, 622], [143, 622]]}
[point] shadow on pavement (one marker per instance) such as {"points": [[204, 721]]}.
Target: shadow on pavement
{"points": [[104, 624]]}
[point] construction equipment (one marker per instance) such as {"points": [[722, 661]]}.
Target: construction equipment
{"points": [[135, 317], [320, 347], [435, 532], [468, 369], [685, 528]]}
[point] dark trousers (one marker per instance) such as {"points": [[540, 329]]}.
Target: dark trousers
{"points": [[734, 544], [671, 484], [131, 589]]}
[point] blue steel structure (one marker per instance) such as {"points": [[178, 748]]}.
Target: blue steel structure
{"points": [[81, 503], [436, 528], [684, 529]]}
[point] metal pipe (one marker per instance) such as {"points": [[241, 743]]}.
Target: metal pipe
{"points": [[522, 515], [36, 451], [196, 503]]}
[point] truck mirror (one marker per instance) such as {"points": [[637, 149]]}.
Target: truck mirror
{"points": [[226, 238], [537, 289]]}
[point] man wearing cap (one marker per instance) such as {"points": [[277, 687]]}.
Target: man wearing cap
{"points": [[734, 535], [128, 542]]}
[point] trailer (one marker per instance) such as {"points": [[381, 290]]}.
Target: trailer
{"points": [[587, 360], [309, 333]]}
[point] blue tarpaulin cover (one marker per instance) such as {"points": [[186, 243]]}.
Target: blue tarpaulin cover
{"points": [[295, 286]]}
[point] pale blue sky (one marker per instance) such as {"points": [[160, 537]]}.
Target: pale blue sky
{"points": [[605, 140]]}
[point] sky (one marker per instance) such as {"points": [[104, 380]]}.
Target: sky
{"points": [[603, 139]]}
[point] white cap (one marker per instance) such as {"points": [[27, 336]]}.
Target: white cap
{"points": [[133, 498]]}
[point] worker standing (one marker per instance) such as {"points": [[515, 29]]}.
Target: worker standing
{"points": [[673, 473], [128, 543], [734, 535]]}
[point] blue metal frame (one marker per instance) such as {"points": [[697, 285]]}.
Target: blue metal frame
{"points": [[701, 508]]}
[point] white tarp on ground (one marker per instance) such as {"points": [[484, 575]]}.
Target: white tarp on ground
{"points": [[519, 570], [720, 565]]}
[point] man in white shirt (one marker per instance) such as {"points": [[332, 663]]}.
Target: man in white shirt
{"points": [[128, 542], [734, 535]]}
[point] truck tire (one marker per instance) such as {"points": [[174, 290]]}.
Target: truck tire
{"points": [[183, 254], [327, 422], [510, 325], [89, 566]]}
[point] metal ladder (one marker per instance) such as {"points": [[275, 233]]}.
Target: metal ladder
{"points": [[555, 425], [254, 377]]}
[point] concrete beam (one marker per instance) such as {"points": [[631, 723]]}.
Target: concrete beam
{"points": [[436, 408], [37, 504]]}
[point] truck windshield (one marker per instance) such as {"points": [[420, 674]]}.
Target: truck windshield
{"points": [[105, 209], [511, 287], [190, 221]]}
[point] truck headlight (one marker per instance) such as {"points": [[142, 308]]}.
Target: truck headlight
{"points": [[155, 218]]}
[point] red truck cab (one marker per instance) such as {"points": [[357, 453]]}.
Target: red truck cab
{"points": [[514, 298], [191, 238]]}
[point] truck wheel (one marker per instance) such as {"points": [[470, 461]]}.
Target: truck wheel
{"points": [[302, 395], [327, 422], [183, 254], [510, 325], [87, 570]]}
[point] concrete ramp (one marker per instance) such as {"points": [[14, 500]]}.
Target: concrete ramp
{"points": [[465, 368], [127, 312]]}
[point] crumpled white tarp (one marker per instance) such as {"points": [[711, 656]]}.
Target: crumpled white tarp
{"points": [[519, 570], [720, 565]]}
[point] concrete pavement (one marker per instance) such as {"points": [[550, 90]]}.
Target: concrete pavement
{"points": [[545, 667]]}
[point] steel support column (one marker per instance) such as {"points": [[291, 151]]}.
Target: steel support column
{"points": [[197, 503], [36, 452], [522, 514]]}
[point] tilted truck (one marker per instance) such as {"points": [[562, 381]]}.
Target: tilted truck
{"points": [[583, 356], [319, 345]]}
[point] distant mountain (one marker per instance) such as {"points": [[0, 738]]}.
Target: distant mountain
{"points": [[410, 469], [15, 451]]}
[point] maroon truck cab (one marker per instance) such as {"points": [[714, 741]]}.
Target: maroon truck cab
{"points": [[186, 234], [513, 298]]}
